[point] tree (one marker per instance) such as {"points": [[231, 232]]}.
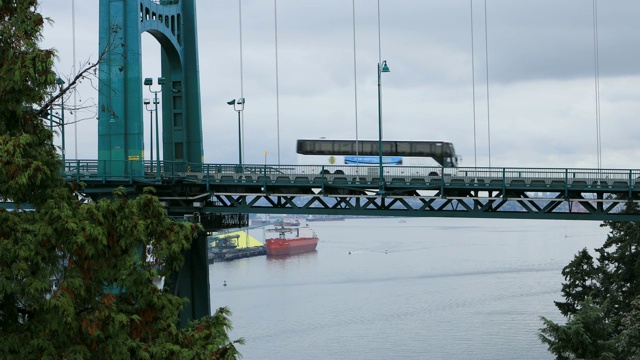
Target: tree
{"points": [[602, 299], [76, 277], [630, 335]]}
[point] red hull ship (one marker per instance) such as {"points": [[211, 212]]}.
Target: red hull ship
{"points": [[291, 241]]}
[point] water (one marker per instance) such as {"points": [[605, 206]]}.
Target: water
{"points": [[387, 288]]}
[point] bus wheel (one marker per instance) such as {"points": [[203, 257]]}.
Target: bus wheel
{"points": [[433, 173], [339, 172]]}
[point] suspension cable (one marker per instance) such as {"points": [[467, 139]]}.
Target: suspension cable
{"points": [[379, 42], [241, 74], [596, 64], [473, 85], [73, 69], [355, 78], [275, 16], [486, 41]]}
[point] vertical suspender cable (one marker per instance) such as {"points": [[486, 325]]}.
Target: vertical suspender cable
{"points": [[486, 41], [596, 64], [379, 64], [241, 74], [73, 71], [275, 17], [473, 85], [379, 45], [241, 82], [355, 79]]}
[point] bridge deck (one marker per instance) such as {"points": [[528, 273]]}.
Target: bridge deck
{"points": [[594, 194]]}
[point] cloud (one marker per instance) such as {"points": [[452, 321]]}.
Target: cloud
{"points": [[541, 78]]}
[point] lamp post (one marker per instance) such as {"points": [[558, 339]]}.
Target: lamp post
{"points": [[146, 105], [149, 82], [381, 68], [238, 106]]}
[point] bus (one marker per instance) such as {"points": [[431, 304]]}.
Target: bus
{"points": [[341, 153]]}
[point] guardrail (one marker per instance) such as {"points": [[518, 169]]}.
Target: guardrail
{"points": [[360, 175]]}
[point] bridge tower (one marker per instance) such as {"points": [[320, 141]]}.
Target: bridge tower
{"points": [[120, 106], [120, 121]]}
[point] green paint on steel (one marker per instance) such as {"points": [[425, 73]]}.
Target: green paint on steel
{"points": [[120, 104], [191, 283], [121, 89]]}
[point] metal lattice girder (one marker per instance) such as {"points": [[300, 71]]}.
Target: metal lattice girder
{"points": [[522, 207], [593, 194]]}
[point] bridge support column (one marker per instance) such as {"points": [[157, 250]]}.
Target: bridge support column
{"points": [[192, 281]]}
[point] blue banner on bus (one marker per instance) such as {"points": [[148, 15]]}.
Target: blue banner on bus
{"points": [[370, 160]]}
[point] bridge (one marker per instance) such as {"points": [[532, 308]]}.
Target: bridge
{"points": [[187, 185], [220, 195], [522, 193]]}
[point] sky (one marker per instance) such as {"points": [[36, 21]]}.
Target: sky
{"points": [[531, 75]]}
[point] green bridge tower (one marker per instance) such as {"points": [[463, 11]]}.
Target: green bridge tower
{"points": [[120, 121], [120, 106]]}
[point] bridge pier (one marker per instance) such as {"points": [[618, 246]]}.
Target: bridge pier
{"points": [[192, 281]]}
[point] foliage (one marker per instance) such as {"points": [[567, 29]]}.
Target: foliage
{"points": [[602, 299], [76, 277], [26, 75], [630, 335]]}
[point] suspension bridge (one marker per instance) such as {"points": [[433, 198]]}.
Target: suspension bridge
{"points": [[522, 193], [220, 195]]}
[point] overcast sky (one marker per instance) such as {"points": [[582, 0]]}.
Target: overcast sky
{"points": [[541, 76]]}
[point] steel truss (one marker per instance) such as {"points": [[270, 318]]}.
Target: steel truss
{"points": [[514, 205]]}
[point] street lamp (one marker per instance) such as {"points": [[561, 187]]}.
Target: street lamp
{"points": [[381, 68], [149, 82], [238, 106], [146, 102]]}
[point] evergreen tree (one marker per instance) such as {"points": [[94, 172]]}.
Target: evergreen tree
{"points": [[602, 299], [629, 339], [76, 277]]}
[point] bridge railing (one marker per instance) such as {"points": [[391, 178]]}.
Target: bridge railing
{"points": [[134, 170], [110, 169]]}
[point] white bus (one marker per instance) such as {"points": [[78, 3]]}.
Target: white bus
{"points": [[338, 155]]}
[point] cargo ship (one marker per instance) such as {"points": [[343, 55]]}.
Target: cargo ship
{"points": [[291, 240]]}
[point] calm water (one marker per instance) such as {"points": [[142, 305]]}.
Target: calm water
{"points": [[410, 289]]}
